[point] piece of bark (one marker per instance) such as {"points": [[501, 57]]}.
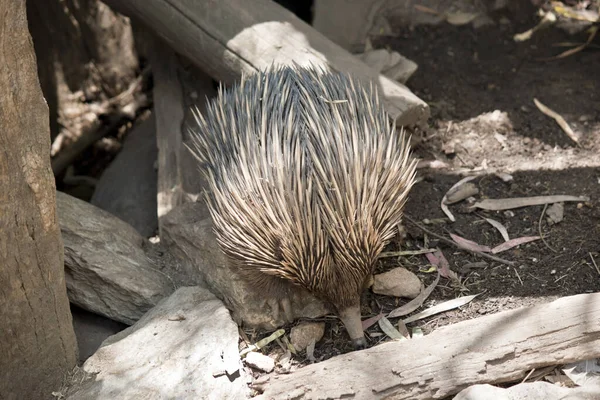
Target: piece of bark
{"points": [[496, 348], [184, 348], [107, 270], [225, 42], [131, 196], [37, 341], [188, 235]]}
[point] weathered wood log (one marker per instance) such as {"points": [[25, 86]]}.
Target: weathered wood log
{"points": [[496, 348], [228, 37], [179, 179], [37, 341]]}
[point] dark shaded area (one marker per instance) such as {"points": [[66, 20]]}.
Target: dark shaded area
{"points": [[464, 72]]}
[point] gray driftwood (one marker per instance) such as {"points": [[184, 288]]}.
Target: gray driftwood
{"points": [[502, 347], [107, 269], [177, 87], [228, 37]]}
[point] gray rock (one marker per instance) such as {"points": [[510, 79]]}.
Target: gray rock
{"points": [[106, 269], [398, 282], [260, 361], [184, 348], [304, 333], [127, 188], [188, 235]]}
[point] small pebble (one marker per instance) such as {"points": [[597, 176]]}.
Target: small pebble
{"points": [[398, 282], [260, 361], [304, 333]]}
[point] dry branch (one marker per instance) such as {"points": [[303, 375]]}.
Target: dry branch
{"points": [[496, 348], [229, 37]]}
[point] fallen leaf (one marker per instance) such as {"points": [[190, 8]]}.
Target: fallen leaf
{"points": [[512, 243], [439, 308], [263, 342], [369, 322], [416, 302], [469, 244], [460, 18], [442, 264], [584, 373], [517, 202], [454, 187], [501, 228], [387, 328], [387, 254], [558, 118]]}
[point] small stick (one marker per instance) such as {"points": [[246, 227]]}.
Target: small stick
{"points": [[450, 242], [594, 262], [540, 229]]}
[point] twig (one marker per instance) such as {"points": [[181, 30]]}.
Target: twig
{"points": [[518, 276], [450, 242], [594, 262], [564, 125], [540, 229], [528, 375]]}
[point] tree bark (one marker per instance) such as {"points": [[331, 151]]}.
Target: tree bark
{"points": [[37, 341]]}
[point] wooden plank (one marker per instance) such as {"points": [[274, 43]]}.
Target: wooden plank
{"points": [[496, 348], [228, 37]]}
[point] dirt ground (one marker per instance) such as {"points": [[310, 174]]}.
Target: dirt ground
{"points": [[480, 85]]}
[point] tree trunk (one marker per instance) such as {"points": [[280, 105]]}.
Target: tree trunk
{"points": [[37, 341]]}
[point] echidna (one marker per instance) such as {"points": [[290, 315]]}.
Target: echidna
{"points": [[308, 178]]}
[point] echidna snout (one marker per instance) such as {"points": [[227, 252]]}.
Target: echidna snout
{"points": [[308, 178], [350, 317]]}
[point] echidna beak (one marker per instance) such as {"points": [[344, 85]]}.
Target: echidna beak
{"points": [[351, 319]]}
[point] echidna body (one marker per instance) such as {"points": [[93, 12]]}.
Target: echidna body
{"points": [[308, 178]]}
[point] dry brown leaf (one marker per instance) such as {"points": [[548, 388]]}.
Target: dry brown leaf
{"points": [[387, 328], [445, 306], [513, 243], [559, 120], [416, 302], [469, 244], [369, 322], [450, 191], [517, 202], [501, 228]]}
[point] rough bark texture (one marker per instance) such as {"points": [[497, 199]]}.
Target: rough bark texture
{"points": [[497, 348], [37, 342]]}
